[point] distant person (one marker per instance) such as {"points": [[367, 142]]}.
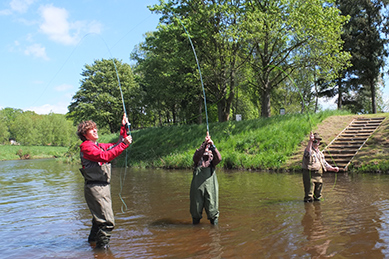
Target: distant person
{"points": [[314, 164], [96, 169], [204, 189]]}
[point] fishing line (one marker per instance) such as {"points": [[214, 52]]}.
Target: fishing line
{"points": [[62, 66], [198, 67], [74, 49], [128, 129]]}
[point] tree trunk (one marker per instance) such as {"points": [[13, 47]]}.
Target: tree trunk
{"points": [[339, 103], [223, 108], [373, 98], [265, 103]]}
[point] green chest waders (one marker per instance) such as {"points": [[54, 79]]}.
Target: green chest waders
{"points": [[204, 193]]}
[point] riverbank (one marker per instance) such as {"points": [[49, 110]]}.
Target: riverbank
{"points": [[13, 152], [276, 143]]}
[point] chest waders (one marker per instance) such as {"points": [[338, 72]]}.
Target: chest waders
{"points": [[313, 184], [97, 193], [204, 194]]}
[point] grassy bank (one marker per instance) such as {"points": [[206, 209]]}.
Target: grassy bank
{"points": [[8, 152], [260, 144], [275, 143]]}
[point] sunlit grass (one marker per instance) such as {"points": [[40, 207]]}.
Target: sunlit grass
{"points": [[8, 152], [260, 144], [264, 143]]}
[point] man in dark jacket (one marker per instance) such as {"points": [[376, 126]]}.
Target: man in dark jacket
{"points": [[204, 190], [96, 169]]}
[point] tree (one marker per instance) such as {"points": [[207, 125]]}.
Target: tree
{"points": [[214, 28], [289, 35], [99, 97], [8, 116], [56, 130], [365, 38], [4, 133], [166, 76], [24, 128]]}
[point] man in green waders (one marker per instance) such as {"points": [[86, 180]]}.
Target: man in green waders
{"points": [[204, 189], [96, 169], [314, 164]]}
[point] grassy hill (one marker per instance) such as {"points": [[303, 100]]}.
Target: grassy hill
{"points": [[274, 143]]}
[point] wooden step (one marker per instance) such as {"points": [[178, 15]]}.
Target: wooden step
{"points": [[346, 145]]}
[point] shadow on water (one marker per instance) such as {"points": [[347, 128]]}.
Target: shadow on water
{"points": [[262, 215], [167, 223]]}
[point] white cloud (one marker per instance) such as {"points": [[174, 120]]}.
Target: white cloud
{"points": [[20, 6], [59, 29], [63, 87], [47, 108], [5, 12], [36, 50]]}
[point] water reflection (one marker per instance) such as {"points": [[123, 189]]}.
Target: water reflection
{"points": [[315, 230], [262, 215]]}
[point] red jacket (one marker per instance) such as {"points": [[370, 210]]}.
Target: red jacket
{"points": [[102, 152]]}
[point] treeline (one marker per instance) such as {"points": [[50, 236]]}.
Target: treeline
{"points": [[30, 129], [255, 58]]}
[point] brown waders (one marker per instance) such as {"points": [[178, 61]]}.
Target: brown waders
{"points": [[97, 193], [313, 184]]}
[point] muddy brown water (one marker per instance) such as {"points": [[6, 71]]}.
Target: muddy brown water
{"points": [[262, 215]]}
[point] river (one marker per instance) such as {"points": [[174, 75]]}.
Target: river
{"points": [[262, 215]]}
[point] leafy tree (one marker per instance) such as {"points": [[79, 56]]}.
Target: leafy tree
{"points": [[4, 133], [365, 38], [214, 28], [8, 116], [56, 130], [289, 35], [99, 97], [166, 76], [24, 128]]}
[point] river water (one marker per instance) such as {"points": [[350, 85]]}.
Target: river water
{"points": [[262, 215]]}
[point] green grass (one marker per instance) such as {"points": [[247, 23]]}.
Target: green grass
{"points": [[8, 152], [262, 144]]}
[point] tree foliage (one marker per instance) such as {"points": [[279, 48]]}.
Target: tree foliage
{"points": [[29, 128], [99, 98], [214, 28], [365, 38], [292, 35]]}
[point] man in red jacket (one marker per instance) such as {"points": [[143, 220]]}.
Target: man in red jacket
{"points": [[96, 169]]}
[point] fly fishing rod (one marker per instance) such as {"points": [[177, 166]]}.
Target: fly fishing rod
{"points": [[198, 67], [128, 128]]}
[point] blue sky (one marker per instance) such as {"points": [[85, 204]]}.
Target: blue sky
{"points": [[45, 45]]}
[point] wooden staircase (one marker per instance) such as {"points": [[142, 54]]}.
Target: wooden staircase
{"points": [[341, 151]]}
